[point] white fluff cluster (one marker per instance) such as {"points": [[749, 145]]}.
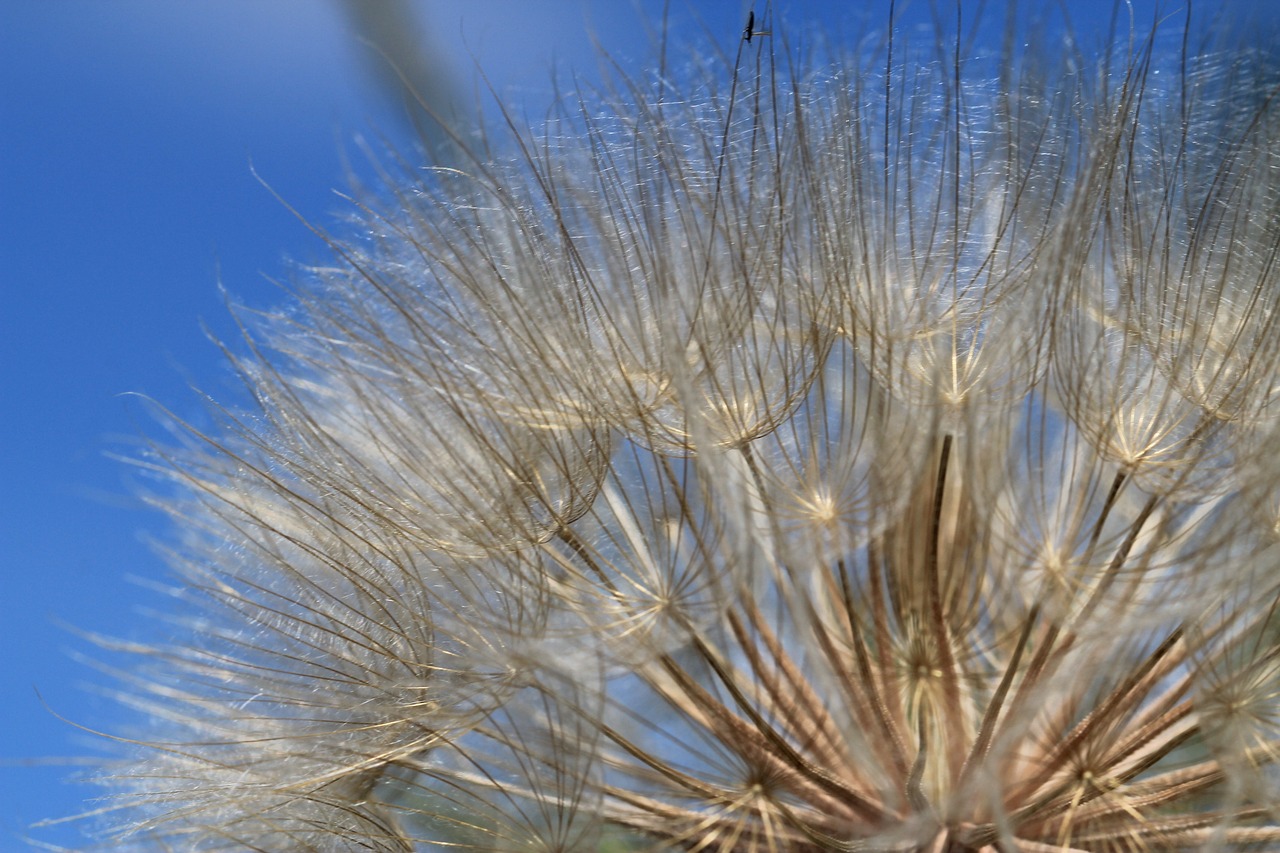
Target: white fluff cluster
{"points": [[876, 455]]}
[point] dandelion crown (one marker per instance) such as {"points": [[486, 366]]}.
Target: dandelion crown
{"points": [[875, 454]]}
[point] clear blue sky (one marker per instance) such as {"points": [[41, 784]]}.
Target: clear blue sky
{"points": [[127, 133]]}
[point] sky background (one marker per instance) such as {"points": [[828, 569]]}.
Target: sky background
{"points": [[130, 132], [130, 135]]}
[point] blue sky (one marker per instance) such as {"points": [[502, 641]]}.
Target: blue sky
{"points": [[130, 132]]}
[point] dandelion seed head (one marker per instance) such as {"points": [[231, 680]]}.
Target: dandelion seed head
{"points": [[863, 454]]}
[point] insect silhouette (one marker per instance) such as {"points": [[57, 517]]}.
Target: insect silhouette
{"points": [[751, 30]]}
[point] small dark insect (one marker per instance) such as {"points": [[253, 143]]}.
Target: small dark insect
{"points": [[751, 28]]}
